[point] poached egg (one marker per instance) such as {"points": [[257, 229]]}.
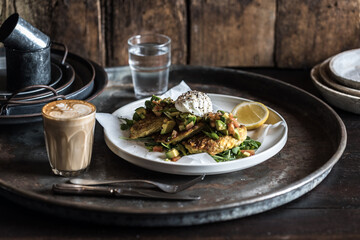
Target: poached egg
{"points": [[194, 102]]}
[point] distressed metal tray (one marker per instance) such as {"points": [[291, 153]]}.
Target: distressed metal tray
{"points": [[317, 139]]}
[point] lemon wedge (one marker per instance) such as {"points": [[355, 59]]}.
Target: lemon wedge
{"points": [[251, 114]]}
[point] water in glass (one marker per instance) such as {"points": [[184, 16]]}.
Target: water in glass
{"points": [[149, 65]]}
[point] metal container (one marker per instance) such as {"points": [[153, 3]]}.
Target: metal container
{"points": [[16, 33], [27, 68]]}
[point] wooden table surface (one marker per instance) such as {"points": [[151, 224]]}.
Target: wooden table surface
{"points": [[330, 211]]}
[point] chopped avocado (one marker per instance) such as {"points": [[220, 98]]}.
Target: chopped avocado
{"points": [[167, 100], [172, 153], [141, 112], [225, 132], [247, 154], [168, 115], [187, 117], [182, 127], [220, 125], [181, 148], [236, 134], [168, 127], [174, 114], [183, 115], [136, 117], [226, 115]]}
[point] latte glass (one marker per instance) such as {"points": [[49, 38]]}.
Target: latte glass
{"points": [[69, 134]]}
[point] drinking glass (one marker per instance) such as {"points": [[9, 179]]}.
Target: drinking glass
{"points": [[69, 134], [149, 61]]}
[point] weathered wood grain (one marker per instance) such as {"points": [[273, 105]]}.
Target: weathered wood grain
{"points": [[232, 32], [308, 32], [126, 18], [77, 23], [287, 34]]}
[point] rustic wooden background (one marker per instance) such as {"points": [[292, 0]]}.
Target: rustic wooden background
{"points": [[255, 33]]}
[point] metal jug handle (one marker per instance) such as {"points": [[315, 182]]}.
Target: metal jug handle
{"points": [[4, 110], [65, 50]]}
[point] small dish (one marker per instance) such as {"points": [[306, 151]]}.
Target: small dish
{"points": [[338, 99], [327, 78], [345, 67]]}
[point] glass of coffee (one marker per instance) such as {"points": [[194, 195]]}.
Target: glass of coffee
{"points": [[69, 133]]}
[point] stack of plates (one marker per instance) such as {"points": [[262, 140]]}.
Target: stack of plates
{"points": [[76, 78], [338, 80]]}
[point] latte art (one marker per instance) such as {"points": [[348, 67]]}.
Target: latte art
{"points": [[68, 110]]}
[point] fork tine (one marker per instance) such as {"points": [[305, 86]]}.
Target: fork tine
{"points": [[192, 182]]}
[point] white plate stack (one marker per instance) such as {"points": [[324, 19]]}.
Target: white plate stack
{"points": [[338, 80]]}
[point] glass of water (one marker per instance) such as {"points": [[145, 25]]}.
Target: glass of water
{"points": [[149, 60]]}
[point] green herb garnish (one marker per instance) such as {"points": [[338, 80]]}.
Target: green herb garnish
{"points": [[127, 125], [235, 153]]}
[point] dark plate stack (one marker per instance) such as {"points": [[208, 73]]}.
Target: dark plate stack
{"points": [[71, 76]]}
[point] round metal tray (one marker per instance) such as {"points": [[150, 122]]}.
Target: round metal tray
{"points": [[316, 140]]}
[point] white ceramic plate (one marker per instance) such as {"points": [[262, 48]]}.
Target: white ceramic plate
{"points": [[137, 154], [345, 67], [329, 80]]}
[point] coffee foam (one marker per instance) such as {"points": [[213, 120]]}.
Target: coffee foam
{"points": [[68, 109]]}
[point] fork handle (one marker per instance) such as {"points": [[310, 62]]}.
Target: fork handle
{"points": [[107, 182]]}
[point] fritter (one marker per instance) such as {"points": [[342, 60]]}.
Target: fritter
{"points": [[147, 126], [168, 139], [202, 143]]}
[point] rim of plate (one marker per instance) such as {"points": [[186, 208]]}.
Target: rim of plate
{"points": [[339, 75]]}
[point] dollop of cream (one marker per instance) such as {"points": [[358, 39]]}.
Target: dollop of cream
{"points": [[194, 102]]}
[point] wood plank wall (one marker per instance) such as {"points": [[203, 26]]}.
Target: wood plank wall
{"points": [[255, 33]]}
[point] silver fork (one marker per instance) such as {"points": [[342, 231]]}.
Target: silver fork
{"points": [[169, 188]]}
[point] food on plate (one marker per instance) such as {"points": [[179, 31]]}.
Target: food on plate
{"points": [[188, 126], [148, 125], [251, 114], [179, 135], [203, 143]]}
